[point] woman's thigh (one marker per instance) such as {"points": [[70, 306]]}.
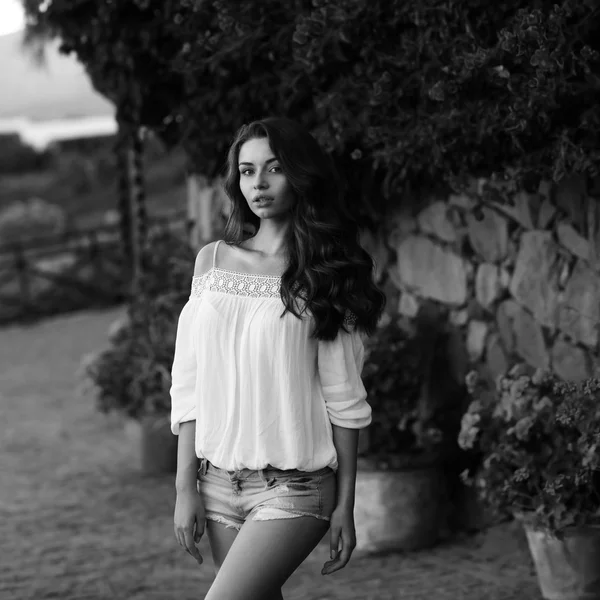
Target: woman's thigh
{"points": [[220, 538], [263, 556]]}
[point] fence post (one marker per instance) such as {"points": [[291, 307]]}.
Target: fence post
{"points": [[24, 283]]}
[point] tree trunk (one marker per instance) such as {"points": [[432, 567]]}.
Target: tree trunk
{"points": [[200, 209], [124, 199], [132, 199], [137, 207]]}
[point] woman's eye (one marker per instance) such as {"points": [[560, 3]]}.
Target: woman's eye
{"points": [[250, 171]]}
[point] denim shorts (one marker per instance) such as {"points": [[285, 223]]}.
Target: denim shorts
{"points": [[230, 497]]}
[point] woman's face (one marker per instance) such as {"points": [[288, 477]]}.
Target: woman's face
{"points": [[262, 181]]}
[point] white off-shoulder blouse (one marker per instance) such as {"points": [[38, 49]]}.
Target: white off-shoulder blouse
{"points": [[261, 391]]}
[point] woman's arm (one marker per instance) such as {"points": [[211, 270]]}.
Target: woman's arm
{"points": [[340, 363], [342, 528], [346, 445], [187, 461], [189, 518]]}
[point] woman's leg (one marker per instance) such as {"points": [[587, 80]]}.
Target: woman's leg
{"points": [[263, 556], [221, 538]]}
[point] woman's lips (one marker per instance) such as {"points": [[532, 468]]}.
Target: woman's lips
{"points": [[263, 201]]}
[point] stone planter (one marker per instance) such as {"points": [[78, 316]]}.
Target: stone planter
{"points": [[154, 445], [568, 566], [400, 509]]}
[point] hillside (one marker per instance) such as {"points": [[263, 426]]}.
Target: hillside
{"points": [[59, 89]]}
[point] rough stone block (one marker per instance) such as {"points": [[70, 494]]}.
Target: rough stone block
{"points": [[505, 277], [487, 284], [434, 220], [578, 314], [593, 230], [461, 201], [505, 316], [511, 254], [384, 320], [431, 271], [488, 237], [535, 279], [569, 362], [476, 334], [529, 340], [572, 241], [547, 213], [520, 333], [459, 317], [408, 305]]}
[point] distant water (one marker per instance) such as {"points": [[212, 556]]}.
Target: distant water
{"points": [[41, 133]]}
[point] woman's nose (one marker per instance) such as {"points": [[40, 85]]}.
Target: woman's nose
{"points": [[260, 182]]}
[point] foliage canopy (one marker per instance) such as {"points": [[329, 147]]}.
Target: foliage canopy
{"points": [[399, 91]]}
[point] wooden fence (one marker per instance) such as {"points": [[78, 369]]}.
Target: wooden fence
{"points": [[73, 271]]}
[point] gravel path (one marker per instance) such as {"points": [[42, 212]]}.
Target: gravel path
{"points": [[78, 522]]}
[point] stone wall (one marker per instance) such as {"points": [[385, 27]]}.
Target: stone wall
{"points": [[513, 282]]}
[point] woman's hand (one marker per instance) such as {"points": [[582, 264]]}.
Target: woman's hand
{"points": [[189, 521], [342, 529]]}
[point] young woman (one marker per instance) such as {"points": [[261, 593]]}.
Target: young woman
{"points": [[267, 397]]}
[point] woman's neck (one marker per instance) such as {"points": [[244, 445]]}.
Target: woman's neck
{"points": [[269, 245]]}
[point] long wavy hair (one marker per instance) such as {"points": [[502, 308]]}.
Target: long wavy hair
{"points": [[327, 266]]}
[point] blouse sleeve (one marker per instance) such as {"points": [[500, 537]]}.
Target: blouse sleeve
{"points": [[340, 364], [183, 371]]}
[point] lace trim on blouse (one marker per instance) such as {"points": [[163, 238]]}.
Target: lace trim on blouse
{"points": [[238, 284], [245, 284]]}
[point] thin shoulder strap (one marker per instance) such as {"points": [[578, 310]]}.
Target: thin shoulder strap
{"points": [[215, 254]]}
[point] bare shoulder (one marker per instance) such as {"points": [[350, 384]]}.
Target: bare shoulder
{"points": [[204, 259]]}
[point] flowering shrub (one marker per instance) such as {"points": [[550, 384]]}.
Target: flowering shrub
{"points": [[397, 365], [133, 374], [538, 439]]}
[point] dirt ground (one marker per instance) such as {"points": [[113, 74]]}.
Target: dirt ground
{"points": [[78, 521]]}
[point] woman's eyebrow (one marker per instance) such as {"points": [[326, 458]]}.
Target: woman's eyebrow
{"points": [[270, 160]]}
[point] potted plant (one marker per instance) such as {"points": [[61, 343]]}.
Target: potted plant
{"points": [[132, 375], [401, 491], [538, 443]]}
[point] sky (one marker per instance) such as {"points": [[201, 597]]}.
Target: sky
{"points": [[11, 16]]}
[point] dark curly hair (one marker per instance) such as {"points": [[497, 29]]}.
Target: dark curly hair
{"points": [[326, 262]]}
